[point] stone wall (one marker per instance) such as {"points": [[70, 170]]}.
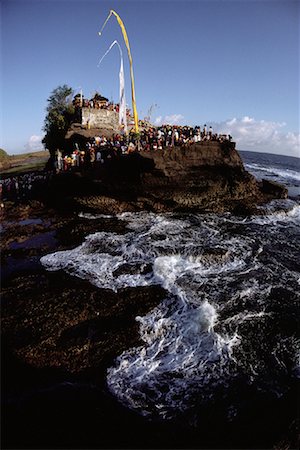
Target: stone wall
{"points": [[100, 118]]}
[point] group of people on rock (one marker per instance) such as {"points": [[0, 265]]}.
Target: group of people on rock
{"points": [[19, 187], [97, 102], [110, 106], [94, 153], [99, 149], [157, 138]]}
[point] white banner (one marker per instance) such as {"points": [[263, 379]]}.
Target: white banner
{"points": [[122, 104]]}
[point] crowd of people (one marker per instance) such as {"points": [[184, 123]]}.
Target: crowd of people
{"points": [[100, 148], [21, 187], [97, 102], [157, 138]]}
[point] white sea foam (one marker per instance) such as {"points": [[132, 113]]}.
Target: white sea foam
{"points": [[182, 356], [90, 216], [287, 173], [199, 265], [279, 211]]}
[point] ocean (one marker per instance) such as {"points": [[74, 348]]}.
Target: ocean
{"points": [[227, 331], [283, 169]]}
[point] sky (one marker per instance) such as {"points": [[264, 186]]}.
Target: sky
{"points": [[232, 64]]}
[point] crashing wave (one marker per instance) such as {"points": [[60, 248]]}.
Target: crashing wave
{"points": [[287, 173], [213, 269]]}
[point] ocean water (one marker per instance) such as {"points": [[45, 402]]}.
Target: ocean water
{"points": [[283, 169], [230, 316]]}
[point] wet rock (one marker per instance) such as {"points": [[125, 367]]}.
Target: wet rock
{"points": [[56, 320], [74, 231], [214, 254], [132, 269], [274, 189]]}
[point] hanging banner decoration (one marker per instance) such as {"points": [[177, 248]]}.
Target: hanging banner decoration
{"points": [[122, 104], [122, 26]]}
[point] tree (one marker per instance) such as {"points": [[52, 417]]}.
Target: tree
{"points": [[60, 114]]}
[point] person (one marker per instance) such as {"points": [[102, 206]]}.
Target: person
{"points": [[73, 156], [77, 153], [59, 160], [176, 136], [92, 155], [98, 157], [65, 162], [1, 201], [131, 147]]}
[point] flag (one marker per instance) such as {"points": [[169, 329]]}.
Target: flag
{"points": [[122, 105], [126, 40]]}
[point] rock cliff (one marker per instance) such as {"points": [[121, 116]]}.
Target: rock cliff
{"points": [[207, 176]]}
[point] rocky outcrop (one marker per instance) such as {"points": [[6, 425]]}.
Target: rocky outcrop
{"points": [[207, 176], [274, 189]]}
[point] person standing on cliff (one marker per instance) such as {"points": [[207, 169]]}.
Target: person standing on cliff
{"points": [[1, 200], [59, 160], [176, 136]]}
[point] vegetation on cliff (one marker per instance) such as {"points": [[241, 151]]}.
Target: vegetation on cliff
{"points": [[60, 114], [3, 155]]}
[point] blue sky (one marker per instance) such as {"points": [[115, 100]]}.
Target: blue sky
{"points": [[230, 63]]}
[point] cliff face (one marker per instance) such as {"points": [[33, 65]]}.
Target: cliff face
{"points": [[208, 176], [181, 160], [204, 176]]}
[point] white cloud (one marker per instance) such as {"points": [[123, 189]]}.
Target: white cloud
{"points": [[158, 120], [34, 144], [260, 135], [173, 119]]}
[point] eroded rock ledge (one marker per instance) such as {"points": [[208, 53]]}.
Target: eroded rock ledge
{"points": [[207, 176]]}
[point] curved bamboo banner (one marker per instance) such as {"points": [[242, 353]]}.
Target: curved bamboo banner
{"points": [[122, 105], [122, 26]]}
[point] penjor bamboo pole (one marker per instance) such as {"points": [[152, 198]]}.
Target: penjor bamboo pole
{"points": [[122, 26]]}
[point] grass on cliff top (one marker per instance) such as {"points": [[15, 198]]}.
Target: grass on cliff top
{"points": [[3, 155], [24, 162], [26, 156]]}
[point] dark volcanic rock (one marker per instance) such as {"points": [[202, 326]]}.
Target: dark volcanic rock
{"points": [[60, 334], [207, 176], [55, 320], [274, 189]]}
